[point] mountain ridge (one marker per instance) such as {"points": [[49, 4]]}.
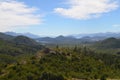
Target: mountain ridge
{"points": [[22, 34]]}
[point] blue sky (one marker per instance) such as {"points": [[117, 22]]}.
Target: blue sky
{"points": [[61, 17]]}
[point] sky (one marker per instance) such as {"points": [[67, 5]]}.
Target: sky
{"points": [[59, 17]]}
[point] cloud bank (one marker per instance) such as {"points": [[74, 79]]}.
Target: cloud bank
{"points": [[86, 9], [16, 14]]}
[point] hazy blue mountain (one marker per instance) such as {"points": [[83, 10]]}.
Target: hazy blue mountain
{"points": [[24, 34], [62, 40], [69, 39], [98, 35], [5, 36], [78, 39], [72, 39]]}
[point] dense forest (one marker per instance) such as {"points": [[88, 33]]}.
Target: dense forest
{"points": [[22, 58]]}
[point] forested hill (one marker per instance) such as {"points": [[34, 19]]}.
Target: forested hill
{"points": [[63, 64], [108, 43], [18, 45], [5, 37], [24, 40]]}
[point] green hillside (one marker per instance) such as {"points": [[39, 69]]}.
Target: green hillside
{"points": [[19, 45], [109, 43], [5, 37], [22, 58], [24, 40], [63, 64]]}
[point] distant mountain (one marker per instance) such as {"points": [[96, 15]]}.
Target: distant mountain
{"points": [[99, 35], [70, 39], [96, 36], [62, 40], [23, 34], [92, 39], [108, 43], [5, 36]]}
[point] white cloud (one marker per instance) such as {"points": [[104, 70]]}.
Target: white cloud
{"points": [[16, 14], [86, 9]]}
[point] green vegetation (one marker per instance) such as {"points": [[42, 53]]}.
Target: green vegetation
{"points": [[109, 43], [63, 64], [22, 58]]}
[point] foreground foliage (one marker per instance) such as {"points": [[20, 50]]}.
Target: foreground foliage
{"points": [[62, 64]]}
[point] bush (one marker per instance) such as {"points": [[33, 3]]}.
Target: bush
{"points": [[51, 76]]}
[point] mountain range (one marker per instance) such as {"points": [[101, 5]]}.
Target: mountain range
{"points": [[71, 39], [23, 34], [106, 34], [111, 42]]}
